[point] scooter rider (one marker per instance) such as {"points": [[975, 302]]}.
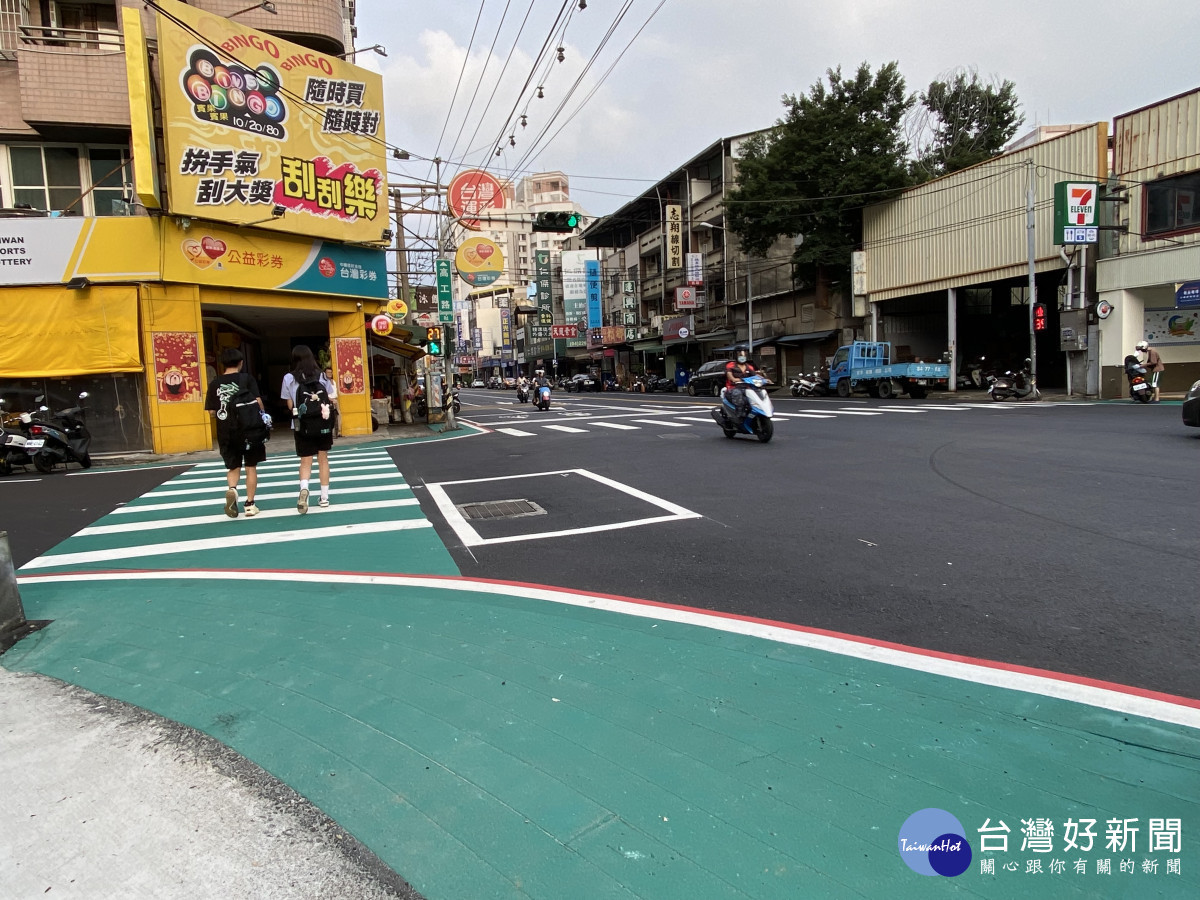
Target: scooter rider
{"points": [[1154, 366], [736, 370]]}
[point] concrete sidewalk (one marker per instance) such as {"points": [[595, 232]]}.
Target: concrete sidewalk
{"points": [[516, 741]]}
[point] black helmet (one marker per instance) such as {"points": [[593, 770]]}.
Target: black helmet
{"points": [[741, 353]]}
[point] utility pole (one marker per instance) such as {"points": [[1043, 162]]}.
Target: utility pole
{"points": [[1030, 237]]}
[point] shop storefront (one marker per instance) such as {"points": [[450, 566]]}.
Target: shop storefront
{"points": [[137, 310]]}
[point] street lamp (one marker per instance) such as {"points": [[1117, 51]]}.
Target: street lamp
{"points": [[378, 48], [265, 6]]}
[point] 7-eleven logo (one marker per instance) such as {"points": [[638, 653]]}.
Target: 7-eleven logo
{"points": [[1081, 204]]}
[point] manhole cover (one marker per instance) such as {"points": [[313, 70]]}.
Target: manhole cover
{"points": [[500, 509]]}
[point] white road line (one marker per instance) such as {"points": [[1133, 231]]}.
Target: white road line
{"points": [[516, 432], [217, 497], [567, 428], [189, 521], [23, 480], [1102, 695], [901, 409], [223, 543], [808, 416], [705, 421], [290, 472], [662, 422], [958, 408], [616, 425], [159, 492], [854, 412]]}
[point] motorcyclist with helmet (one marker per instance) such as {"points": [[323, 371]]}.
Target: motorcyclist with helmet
{"points": [[1154, 366], [736, 371]]}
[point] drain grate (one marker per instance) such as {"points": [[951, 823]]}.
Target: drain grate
{"points": [[500, 509]]}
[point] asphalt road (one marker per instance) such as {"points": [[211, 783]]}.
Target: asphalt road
{"points": [[1056, 536], [1061, 537]]}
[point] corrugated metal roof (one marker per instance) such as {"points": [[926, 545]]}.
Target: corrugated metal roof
{"points": [[970, 227]]}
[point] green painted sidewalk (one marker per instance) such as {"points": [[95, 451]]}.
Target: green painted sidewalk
{"points": [[488, 742]]}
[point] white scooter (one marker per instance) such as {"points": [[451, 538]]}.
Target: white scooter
{"points": [[758, 416]]}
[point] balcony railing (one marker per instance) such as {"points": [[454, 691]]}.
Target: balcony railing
{"points": [[80, 38]]}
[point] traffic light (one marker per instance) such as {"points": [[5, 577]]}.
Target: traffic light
{"points": [[433, 341], [1039, 317], [556, 221]]}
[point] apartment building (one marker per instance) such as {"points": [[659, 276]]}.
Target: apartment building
{"points": [[166, 191]]}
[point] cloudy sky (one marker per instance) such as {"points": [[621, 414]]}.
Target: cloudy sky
{"points": [[706, 69]]}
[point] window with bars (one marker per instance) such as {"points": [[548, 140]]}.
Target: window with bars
{"points": [[13, 14]]}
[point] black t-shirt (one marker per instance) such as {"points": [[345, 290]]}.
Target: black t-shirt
{"points": [[220, 391]]}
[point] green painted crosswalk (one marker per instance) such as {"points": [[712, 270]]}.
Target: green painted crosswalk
{"points": [[373, 516]]}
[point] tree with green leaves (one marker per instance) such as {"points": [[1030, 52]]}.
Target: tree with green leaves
{"points": [[962, 120], [838, 148]]}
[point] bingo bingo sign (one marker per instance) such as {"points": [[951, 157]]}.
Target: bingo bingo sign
{"points": [[1075, 220]]}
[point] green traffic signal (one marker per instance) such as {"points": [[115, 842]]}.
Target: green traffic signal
{"points": [[556, 221]]}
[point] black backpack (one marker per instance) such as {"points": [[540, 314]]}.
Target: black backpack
{"points": [[245, 416], [315, 413]]}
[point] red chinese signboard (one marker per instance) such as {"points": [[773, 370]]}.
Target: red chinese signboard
{"points": [[472, 192], [564, 331]]}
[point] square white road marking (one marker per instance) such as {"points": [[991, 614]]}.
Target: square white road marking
{"points": [[471, 538]]}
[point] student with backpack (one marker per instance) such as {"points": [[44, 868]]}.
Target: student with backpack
{"points": [[310, 396], [243, 427]]}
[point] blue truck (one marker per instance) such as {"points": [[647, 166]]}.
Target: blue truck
{"points": [[867, 366]]}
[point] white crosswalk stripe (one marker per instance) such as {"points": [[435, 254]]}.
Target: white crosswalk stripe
{"points": [[516, 432], [616, 425], [382, 477], [291, 472], [567, 428], [290, 513], [665, 422], [218, 496]]}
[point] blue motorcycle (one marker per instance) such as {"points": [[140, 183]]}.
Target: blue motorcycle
{"points": [[759, 411]]}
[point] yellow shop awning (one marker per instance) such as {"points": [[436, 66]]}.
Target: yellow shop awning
{"points": [[55, 332]]}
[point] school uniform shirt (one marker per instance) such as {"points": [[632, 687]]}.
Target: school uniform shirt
{"points": [[288, 391]]}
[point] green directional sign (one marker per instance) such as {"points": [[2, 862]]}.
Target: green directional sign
{"points": [[445, 293]]}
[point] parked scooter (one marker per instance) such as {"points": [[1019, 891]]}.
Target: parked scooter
{"points": [[973, 377], [1139, 387], [59, 438], [654, 384], [758, 415], [14, 436], [542, 401], [1018, 385], [807, 386]]}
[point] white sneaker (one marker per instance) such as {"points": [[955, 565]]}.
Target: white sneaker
{"points": [[251, 510], [231, 507], [324, 501], [302, 503]]}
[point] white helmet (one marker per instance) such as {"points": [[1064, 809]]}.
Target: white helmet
{"points": [[1142, 345]]}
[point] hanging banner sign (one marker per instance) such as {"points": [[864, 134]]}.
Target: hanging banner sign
{"points": [[1187, 295], [595, 315], [1075, 206], [695, 269], [674, 237]]}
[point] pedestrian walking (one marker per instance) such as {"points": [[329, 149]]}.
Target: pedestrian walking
{"points": [[1154, 366], [243, 427], [310, 396]]}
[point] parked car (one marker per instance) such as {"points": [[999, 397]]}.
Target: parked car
{"points": [[478, 383], [708, 379], [494, 382], [582, 382], [1191, 406]]}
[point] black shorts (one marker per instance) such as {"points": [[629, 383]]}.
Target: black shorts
{"points": [[306, 446], [236, 454]]}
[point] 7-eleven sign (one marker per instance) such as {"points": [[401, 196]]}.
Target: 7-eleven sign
{"points": [[1075, 220]]}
